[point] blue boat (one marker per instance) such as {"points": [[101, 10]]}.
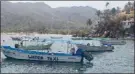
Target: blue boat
{"points": [[18, 53]]}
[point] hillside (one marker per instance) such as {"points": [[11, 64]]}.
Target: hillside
{"points": [[40, 16]]}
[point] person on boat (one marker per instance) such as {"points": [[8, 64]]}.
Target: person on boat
{"points": [[17, 46], [88, 44], [72, 51], [33, 38], [21, 43]]}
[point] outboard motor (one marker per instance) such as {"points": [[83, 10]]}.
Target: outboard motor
{"points": [[109, 45], [84, 54], [87, 55], [112, 47], [79, 52]]}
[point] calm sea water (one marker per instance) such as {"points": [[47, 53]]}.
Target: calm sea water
{"points": [[121, 60]]}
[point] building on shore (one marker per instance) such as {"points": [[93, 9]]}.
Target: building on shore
{"points": [[128, 23]]}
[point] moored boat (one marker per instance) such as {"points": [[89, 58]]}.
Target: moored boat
{"points": [[56, 37], [113, 42], [95, 46], [18, 53], [81, 38], [16, 38]]}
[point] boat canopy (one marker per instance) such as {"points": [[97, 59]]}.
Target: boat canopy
{"points": [[40, 53]]}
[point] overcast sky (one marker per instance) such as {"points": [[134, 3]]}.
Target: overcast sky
{"points": [[95, 4]]}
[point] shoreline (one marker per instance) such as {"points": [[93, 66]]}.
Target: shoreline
{"points": [[38, 34]]}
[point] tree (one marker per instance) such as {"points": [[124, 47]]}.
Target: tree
{"points": [[107, 3], [126, 8], [98, 13], [129, 6], [118, 10], [112, 23], [113, 11], [89, 22]]}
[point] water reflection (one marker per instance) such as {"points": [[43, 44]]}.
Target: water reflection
{"points": [[57, 66]]}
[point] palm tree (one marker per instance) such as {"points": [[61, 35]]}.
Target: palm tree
{"points": [[98, 13], [127, 9], [89, 22], [129, 4], [113, 11], [118, 10], [132, 6], [107, 3]]}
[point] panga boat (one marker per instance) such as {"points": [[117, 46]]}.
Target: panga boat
{"points": [[16, 38], [18, 53], [81, 38], [98, 47], [56, 37], [23, 38], [113, 42], [95, 48]]}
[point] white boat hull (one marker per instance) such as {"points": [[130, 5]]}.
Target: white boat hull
{"points": [[40, 57]]}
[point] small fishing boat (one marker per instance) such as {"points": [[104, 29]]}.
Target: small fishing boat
{"points": [[56, 37], [101, 38], [113, 42], [129, 38], [23, 38], [19, 53], [95, 48], [27, 38], [80, 38], [98, 47], [16, 38]]}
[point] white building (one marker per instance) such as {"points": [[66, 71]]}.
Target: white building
{"points": [[128, 23]]}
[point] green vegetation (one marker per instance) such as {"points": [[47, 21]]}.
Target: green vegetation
{"points": [[110, 21], [41, 18], [78, 21]]}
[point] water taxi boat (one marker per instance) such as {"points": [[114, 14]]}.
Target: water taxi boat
{"points": [[19, 53]]}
